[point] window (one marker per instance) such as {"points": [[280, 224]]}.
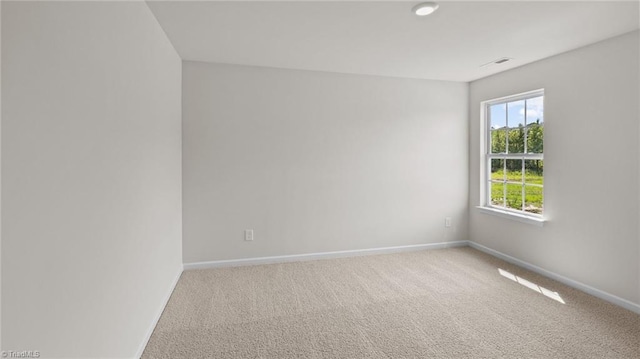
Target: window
{"points": [[513, 155]]}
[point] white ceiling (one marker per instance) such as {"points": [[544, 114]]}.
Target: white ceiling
{"points": [[386, 38]]}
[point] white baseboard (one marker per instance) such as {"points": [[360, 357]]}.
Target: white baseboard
{"points": [[322, 255], [158, 314], [562, 279]]}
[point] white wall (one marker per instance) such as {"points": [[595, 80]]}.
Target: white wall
{"points": [[0, 175], [91, 187], [638, 77], [591, 167], [317, 162]]}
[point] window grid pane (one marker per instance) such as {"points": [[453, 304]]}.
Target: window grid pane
{"points": [[497, 193], [534, 199], [514, 196], [498, 138], [525, 136], [522, 171]]}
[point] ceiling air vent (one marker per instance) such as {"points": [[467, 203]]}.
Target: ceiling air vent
{"points": [[499, 61]]}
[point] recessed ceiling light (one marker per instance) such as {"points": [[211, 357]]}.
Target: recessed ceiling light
{"points": [[425, 8]]}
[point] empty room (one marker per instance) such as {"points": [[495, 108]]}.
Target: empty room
{"points": [[320, 179]]}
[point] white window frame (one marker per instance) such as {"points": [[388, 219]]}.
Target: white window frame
{"points": [[486, 156]]}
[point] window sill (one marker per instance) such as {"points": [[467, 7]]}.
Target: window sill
{"points": [[512, 216]]}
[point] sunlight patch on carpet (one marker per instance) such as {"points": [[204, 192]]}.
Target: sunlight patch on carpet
{"points": [[551, 294]]}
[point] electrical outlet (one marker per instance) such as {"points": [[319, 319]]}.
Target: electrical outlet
{"points": [[248, 234], [447, 222]]}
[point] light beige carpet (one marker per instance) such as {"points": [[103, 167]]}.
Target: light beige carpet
{"points": [[450, 303]]}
